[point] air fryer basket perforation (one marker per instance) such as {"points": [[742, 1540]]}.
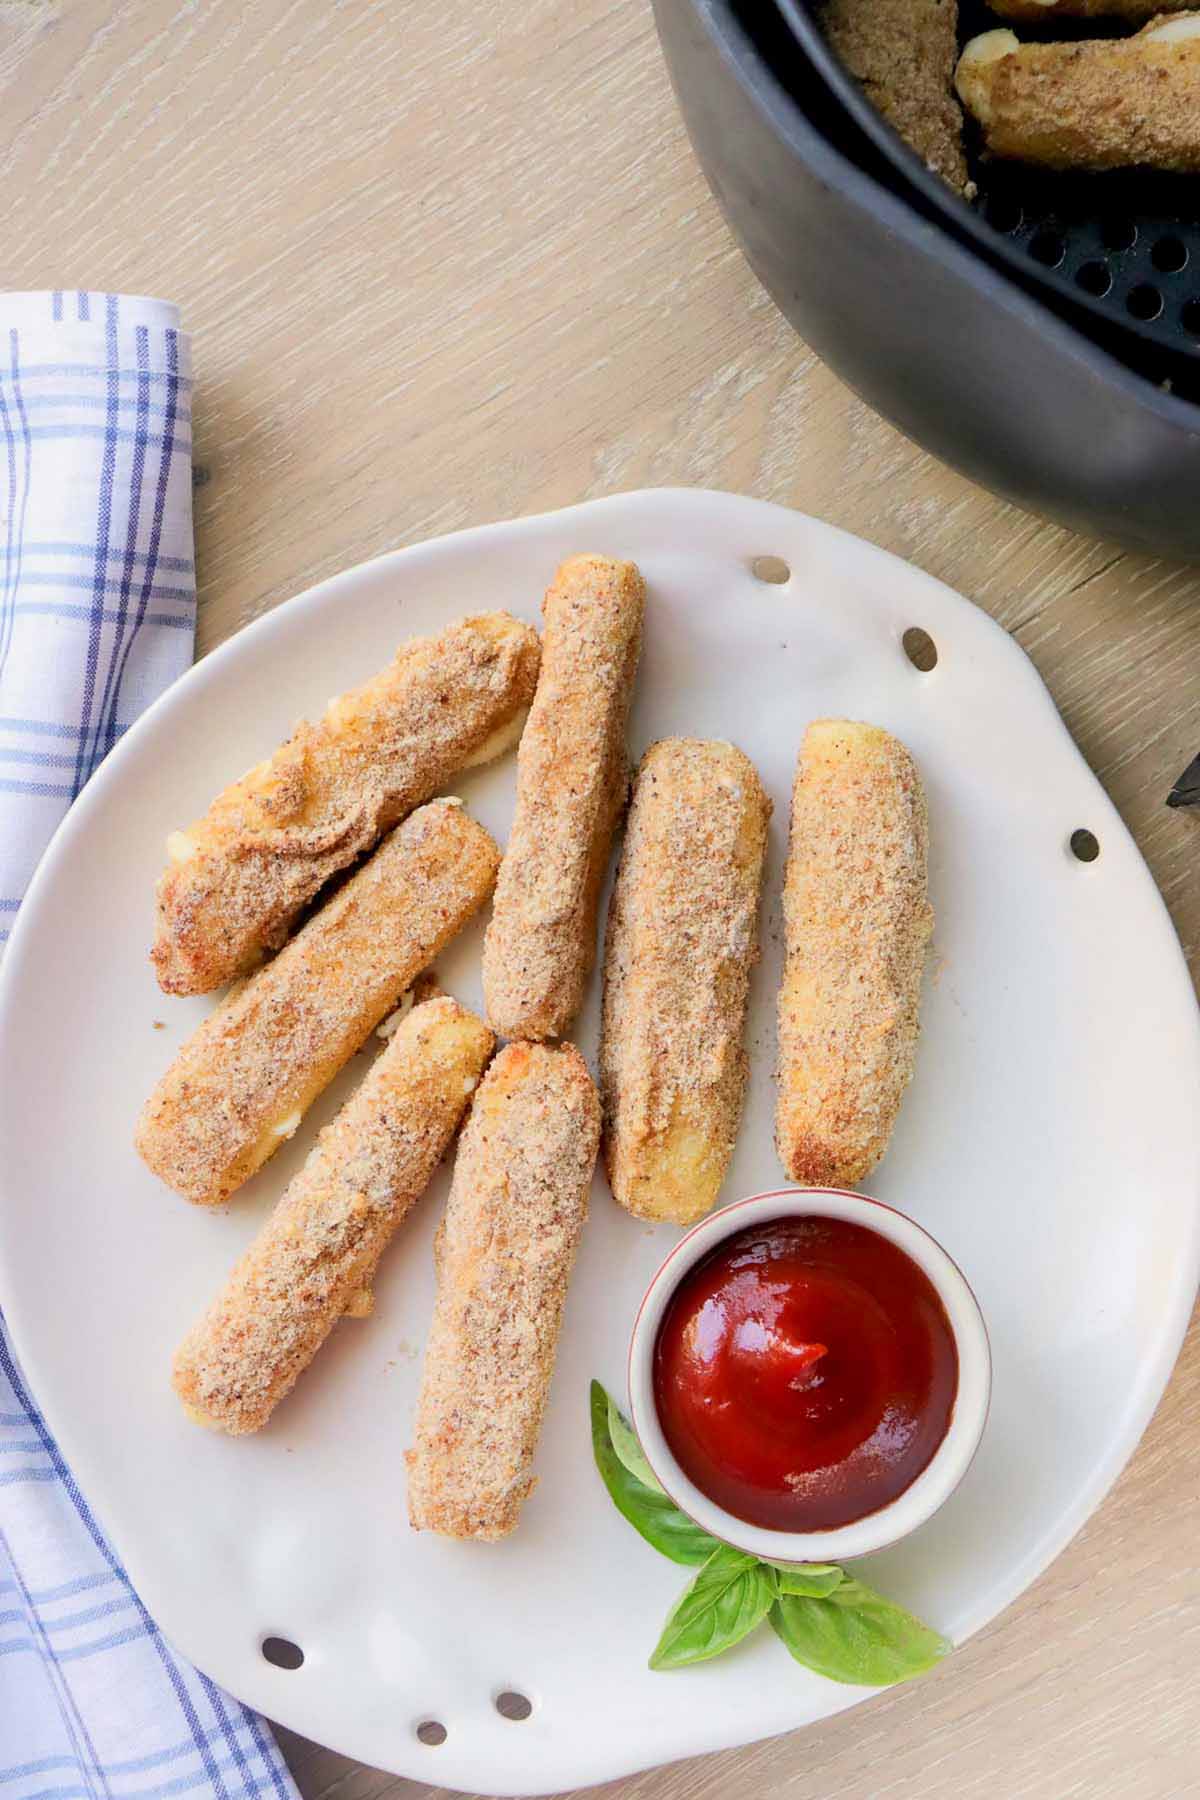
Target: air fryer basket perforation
{"points": [[1131, 242], [1119, 254]]}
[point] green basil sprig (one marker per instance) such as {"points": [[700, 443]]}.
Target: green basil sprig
{"points": [[629, 1451], [730, 1596], [810, 1581], [648, 1510], [825, 1618], [854, 1634]]}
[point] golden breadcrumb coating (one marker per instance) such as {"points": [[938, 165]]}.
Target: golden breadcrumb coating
{"points": [[857, 922], [1040, 12], [240, 875], [242, 1081], [681, 942], [316, 1256], [902, 53], [572, 778], [1104, 103], [504, 1253]]}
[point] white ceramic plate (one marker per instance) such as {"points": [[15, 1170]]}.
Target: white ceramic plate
{"points": [[1051, 1140]]}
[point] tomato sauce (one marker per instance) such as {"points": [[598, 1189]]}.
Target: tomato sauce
{"points": [[805, 1373]]}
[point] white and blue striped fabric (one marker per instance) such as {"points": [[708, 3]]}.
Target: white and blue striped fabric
{"points": [[97, 584], [97, 616]]}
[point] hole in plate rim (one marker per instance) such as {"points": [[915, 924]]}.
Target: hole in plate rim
{"points": [[430, 1732], [281, 1652], [1084, 845], [776, 571], [512, 1704], [919, 648]]}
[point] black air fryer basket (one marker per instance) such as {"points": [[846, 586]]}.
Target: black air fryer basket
{"points": [[1119, 253], [1018, 371]]}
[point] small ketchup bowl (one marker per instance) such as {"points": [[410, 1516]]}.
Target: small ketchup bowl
{"points": [[868, 1500]]}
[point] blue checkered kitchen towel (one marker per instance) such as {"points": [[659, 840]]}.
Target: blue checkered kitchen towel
{"points": [[97, 616]]}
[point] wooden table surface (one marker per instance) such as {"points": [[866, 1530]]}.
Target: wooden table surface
{"points": [[450, 263]]}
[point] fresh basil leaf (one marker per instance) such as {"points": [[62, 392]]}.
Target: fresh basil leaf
{"points": [[625, 1442], [728, 1598], [658, 1519], [814, 1581], [855, 1635]]}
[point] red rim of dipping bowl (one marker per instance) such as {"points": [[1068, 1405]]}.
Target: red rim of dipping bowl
{"points": [[954, 1455]]}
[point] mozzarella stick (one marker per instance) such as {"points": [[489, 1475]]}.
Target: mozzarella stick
{"points": [[902, 53], [1104, 103], [857, 921], [681, 943], [239, 877], [504, 1253], [572, 778], [242, 1082], [316, 1256], [1040, 12]]}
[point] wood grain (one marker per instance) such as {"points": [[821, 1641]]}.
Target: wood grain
{"points": [[452, 263]]}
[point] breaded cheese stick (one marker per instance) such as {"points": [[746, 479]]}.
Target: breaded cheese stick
{"points": [[316, 1256], [239, 876], [572, 778], [857, 922], [1104, 103], [1040, 12], [504, 1253], [680, 946], [244, 1079], [902, 53]]}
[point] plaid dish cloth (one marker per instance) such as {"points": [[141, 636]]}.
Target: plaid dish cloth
{"points": [[97, 586], [97, 617]]}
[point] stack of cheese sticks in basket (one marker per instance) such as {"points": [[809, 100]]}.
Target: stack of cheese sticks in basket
{"points": [[344, 817]]}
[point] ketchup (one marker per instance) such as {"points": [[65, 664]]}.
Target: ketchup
{"points": [[805, 1373]]}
